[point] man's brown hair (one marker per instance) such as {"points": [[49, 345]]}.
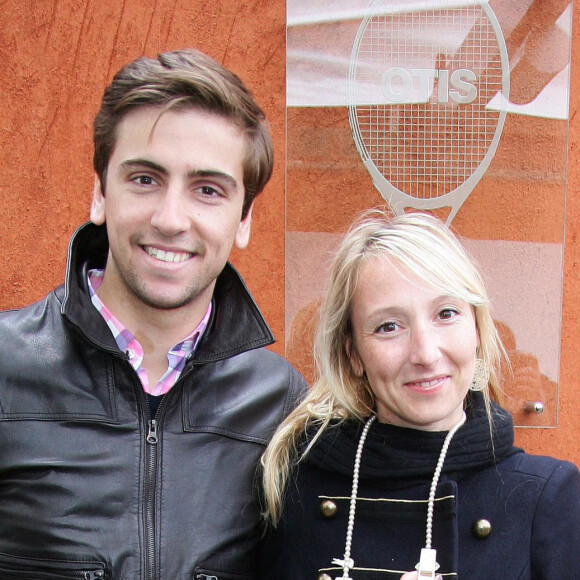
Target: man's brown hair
{"points": [[180, 80]]}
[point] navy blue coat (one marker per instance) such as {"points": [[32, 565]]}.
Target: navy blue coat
{"points": [[530, 506]]}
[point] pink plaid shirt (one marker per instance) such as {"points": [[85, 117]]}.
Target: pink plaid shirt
{"points": [[176, 357]]}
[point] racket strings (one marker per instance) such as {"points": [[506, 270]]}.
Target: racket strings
{"points": [[424, 147]]}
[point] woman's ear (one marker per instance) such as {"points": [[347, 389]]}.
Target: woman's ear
{"points": [[354, 358]]}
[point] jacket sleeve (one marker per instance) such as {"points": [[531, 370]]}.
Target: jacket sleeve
{"points": [[555, 547], [297, 390]]}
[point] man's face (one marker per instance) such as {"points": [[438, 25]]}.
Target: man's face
{"points": [[172, 205]]}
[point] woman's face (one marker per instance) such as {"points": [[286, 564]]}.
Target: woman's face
{"points": [[416, 345]]}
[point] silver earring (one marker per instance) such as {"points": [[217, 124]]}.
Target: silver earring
{"points": [[480, 376]]}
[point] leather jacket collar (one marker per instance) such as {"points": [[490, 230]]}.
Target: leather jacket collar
{"points": [[236, 324]]}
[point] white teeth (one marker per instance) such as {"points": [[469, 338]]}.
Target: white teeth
{"points": [[173, 257], [428, 383]]}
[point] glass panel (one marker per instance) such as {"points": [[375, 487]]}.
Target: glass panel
{"points": [[459, 108]]}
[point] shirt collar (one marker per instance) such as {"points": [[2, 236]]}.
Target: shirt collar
{"points": [[126, 341]]}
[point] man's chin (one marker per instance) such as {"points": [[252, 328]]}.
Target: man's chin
{"points": [[166, 303], [172, 299]]}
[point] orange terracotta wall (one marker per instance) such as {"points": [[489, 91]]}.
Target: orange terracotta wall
{"points": [[58, 57]]}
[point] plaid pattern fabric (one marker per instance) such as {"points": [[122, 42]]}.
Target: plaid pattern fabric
{"points": [[176, 357]]}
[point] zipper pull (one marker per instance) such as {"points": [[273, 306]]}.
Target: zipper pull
{"points": [[94, 575], [152, 431], [205, 577]]}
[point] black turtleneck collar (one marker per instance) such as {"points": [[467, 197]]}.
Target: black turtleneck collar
{"points": [[399, 452]]}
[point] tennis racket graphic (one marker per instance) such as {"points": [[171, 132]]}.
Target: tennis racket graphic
{"points": [[421, 78]]}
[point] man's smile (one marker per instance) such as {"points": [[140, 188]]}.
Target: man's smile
{"points": [[167, 256]]}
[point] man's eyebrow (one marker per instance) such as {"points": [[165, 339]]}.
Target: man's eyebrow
{"points": [[212, 174], [140, 163]]}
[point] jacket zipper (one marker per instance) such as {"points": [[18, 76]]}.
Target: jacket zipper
{"points": [[93, 574], [151, 451], [151, 458], [152, 440]]}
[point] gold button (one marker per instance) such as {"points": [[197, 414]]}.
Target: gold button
{"points": [[482, 528], [324, 577], [328, 509]]}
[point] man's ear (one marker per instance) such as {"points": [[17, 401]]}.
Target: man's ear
{"points": [[354, 358], [243, 233], [98, 203]]}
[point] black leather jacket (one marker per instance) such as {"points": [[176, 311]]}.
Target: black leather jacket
{"points": [[92, 486]]}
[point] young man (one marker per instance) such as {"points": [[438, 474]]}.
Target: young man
{"points": [[137, 398]]}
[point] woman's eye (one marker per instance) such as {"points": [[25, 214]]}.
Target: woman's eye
{"points": [[387, 327], [448, 313]]}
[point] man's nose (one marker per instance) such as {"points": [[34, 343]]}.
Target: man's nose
{"points": [[170, 217]]}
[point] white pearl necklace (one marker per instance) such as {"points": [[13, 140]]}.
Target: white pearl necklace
{"points": [[427, 564]]}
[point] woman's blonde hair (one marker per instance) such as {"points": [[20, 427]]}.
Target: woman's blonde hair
{"points": [[423, 245]]}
